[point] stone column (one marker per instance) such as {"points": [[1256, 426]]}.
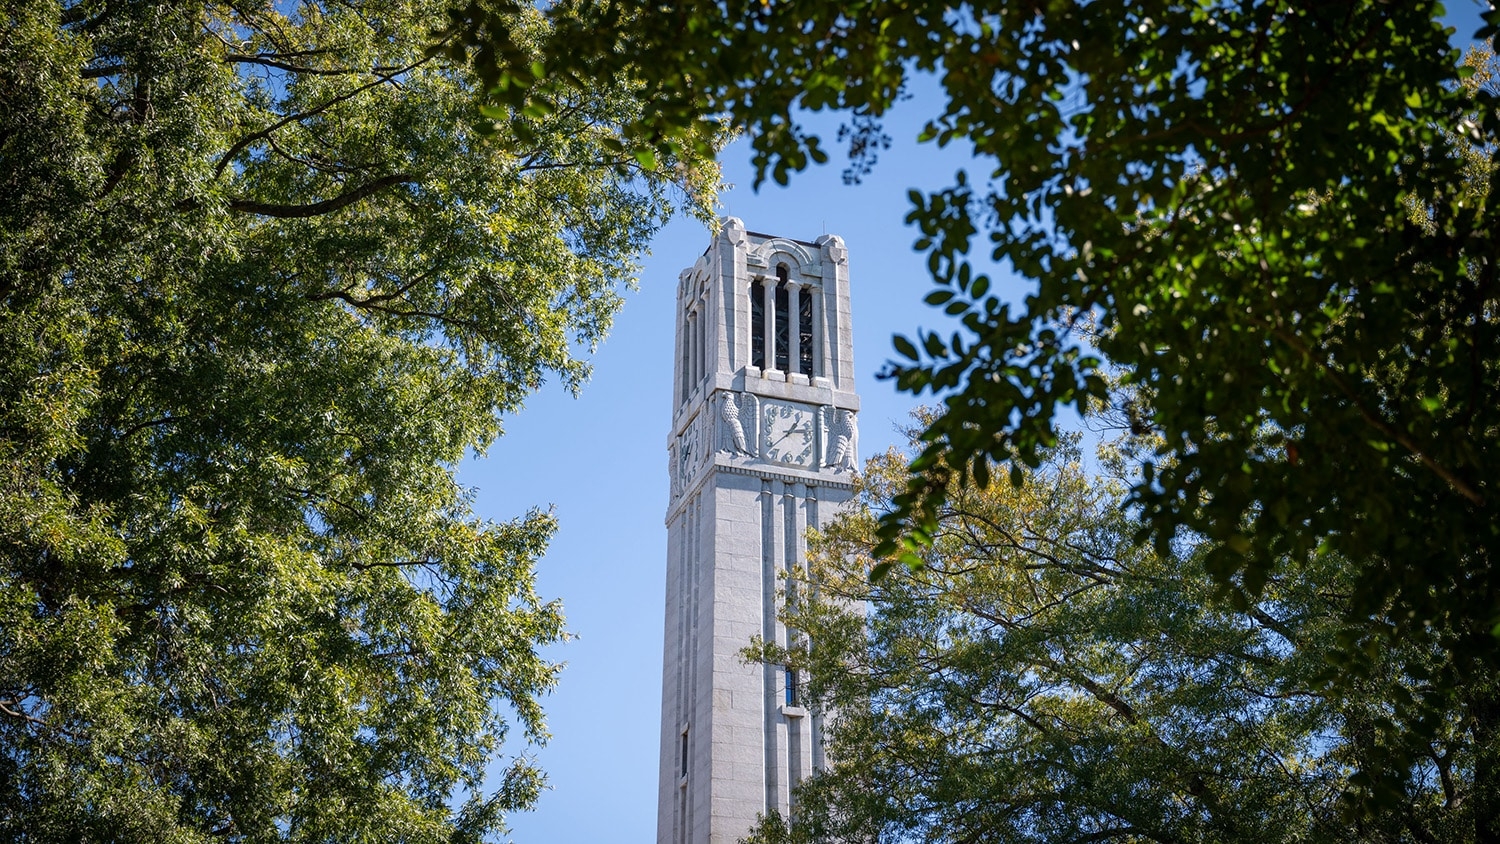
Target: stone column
{"points": [[820, 342], [770, 305]]}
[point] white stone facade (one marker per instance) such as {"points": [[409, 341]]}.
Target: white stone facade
{"points": [[763, 440]]}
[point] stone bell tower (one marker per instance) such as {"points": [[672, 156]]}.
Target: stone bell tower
{"points": [[764, 438]]}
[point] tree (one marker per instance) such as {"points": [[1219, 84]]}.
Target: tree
{"points": [[1043, 677], [266, 276], [1269, 210]]}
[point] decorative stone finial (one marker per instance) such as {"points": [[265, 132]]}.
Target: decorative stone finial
{"points": [[833, 247]]}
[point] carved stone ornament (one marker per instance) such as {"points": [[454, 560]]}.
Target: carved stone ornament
{"points": [[750, 418], [732, 438], [732, 230], [843, 440], [684, 458]]}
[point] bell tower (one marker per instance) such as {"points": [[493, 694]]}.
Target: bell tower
{"points": [[763, 441]]}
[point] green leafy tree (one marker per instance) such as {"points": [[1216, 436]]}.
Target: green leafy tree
{"points": [[266, 276], [1042, 677], [1276, 214]]}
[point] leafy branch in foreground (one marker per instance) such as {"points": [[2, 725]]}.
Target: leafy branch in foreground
{"points": [[266, 277], [1277, 214], [1043, 677]]}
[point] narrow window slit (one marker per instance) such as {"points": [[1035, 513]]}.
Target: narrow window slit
{"points": [[758, 324], [782, 321]]}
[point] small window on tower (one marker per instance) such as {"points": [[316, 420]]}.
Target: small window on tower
{"points": [[684, 752], [805, 332], [758, 324], [783, 321], [686, 340], [793, 695], [692, 345]]}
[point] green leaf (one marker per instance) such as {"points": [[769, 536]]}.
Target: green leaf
{"points": [[981, 472], [933, 345]]}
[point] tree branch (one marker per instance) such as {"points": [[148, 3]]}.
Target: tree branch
{"points": [[150, 423], [371, 301], [1270, 623], [31, 719], [1402, 439], [274, 60], [1106, 834], [426, 561], [326, 206], [240, 145]]}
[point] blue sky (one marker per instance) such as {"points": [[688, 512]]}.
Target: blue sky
{"points": [[600, 461]]}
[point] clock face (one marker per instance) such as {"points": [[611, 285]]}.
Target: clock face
{"points": [[788, 433]]}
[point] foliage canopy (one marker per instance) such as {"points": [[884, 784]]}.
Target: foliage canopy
{"points": [[1043, 677], [1274, 217], [266, 276]]}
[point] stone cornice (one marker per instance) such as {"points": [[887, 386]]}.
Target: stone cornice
{"points": [[760, 469], [789, 475]]}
